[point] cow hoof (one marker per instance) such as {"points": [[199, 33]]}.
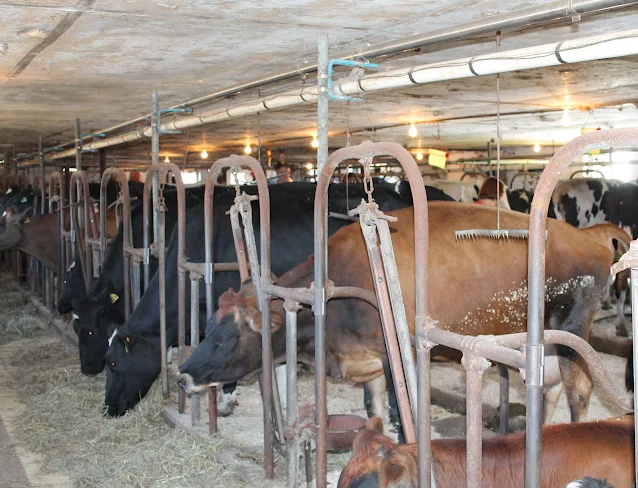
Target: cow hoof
{"points": [[226, 403], [621, 331]]}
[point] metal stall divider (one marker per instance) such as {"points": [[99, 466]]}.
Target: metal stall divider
{"points": [[158, 249], [56, 204], [79, 180], [127, 237]]}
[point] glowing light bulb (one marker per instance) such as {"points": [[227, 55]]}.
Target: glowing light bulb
{"points": [[309, 165], [166, 160], [315, 142], [537, 147], [204, 154], [419, 156], [412, 132], [566, 120], [248, 149]]}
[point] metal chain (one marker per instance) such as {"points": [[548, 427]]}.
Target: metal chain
{"points": [[368, 185], [498, 138], [235, 174]]}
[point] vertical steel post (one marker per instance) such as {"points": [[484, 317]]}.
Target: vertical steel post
{"points": [[194, 340], [321, 266], [155, 160], [291, 391], [78, 146], [504, 399], [102, 161], [634, 335], [43, 273], [474, 367], [161, 269]]}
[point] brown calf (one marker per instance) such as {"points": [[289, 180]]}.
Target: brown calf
{"points": [[602, 449]]}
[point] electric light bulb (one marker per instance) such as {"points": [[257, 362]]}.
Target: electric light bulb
{"points": [[166, 160], [419, 156], [315, 142], [204, 154], [566, 120], [412, 132], [537, 147], [309, 165], [248, 149]]}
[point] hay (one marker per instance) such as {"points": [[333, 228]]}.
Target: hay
{"points": [[17, 318], [64, 422]]}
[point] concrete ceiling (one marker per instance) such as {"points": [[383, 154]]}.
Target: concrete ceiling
{"points": [[99, 60]]}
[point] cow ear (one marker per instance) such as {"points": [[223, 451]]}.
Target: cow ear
{"points": [[253, 318]]}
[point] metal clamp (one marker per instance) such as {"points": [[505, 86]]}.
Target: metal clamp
{"points": [[170, 111], [346, 62], [147, 255], [208, 277]]}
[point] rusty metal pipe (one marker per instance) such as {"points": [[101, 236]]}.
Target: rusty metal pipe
{"points": [[195, 339], [536, 272], [292, 412], [264, 216], [486, 347], [108, 175], [474, 367], [421, 248], [56, 176]]}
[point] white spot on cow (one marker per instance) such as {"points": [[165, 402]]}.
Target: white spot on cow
{"points": [[112, 336], [9, 191], [71, 267], [76, 316]]}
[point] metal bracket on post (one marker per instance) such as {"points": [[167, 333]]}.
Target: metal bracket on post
{"points": [[170, 111], [352, 64]]}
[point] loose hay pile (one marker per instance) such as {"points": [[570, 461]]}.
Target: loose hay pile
{"points": [[64, 423]]}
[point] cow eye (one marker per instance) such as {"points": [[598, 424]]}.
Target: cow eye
{"points": [[113, 364]]}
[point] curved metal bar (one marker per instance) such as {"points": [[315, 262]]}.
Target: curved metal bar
{"points": [[587, 171], [79, 179], [163, 170], [536, 272], [473, 174], [264, 217], [57, 177], [601, 377], [107, 176], [421, 263]]}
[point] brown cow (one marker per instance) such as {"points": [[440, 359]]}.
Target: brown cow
{"points": [[602, 449], [38, 236], [477, 287]]}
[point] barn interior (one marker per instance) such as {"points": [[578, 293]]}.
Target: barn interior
{"points": [[78, 77]]}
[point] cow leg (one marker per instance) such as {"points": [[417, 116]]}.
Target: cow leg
{"points": [[606, 299], [227, 400], [621, 325], [578, 383], [553, 383], [374, 397]]}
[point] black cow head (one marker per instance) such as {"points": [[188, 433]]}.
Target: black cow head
{"points": [[132, 365], [232, 347], [73, 288], [95, 319]]}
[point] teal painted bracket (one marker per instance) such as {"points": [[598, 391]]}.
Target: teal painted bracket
{"points": [[352, 64]]}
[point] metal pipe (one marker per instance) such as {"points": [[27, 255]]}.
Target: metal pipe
{"points": [[323, 101], [504, 399], [536, 271], [195, 340], [422, 320], [78, 146], [155, 160], [127, 238], [292, 442], [511, 20], [634, 365], [474, 367], [605, 46], [391, 342]]}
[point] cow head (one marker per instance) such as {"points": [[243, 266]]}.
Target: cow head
{"points": [[96, 317], [232, 347], [132, 365], [369, 449], [11, 227], [73, 288]]}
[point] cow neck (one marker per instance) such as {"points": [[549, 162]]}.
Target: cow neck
{"points": [[40, 239]]}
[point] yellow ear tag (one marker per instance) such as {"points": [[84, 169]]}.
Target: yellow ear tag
{"points": [[114, 298], [27, 220], [128, 339], [126, 349]]}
